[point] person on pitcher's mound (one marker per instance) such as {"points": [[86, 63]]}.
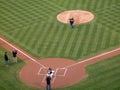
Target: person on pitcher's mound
{"points": [[49, 76], [71, 20]]}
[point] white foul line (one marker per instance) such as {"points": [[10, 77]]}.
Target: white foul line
{"points": [[100, 55], [22, 52]]}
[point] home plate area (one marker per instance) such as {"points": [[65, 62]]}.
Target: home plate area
{"points": [[58, 72]]}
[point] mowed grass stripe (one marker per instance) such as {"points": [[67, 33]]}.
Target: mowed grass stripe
{"points": [[70, 5], [38, 32], [44, 32], [44, 39], [117, 40], [49, 40], [7, 19], [109, 69], [25, 37], [66, 3], [108, 39], [106, 3], [62, 42], [105, 34], [35, 6], [40, 36], [20, 35], [66, 45], [89, 41], [92, 6], [96, 38], [113, 34], [29, 34], [104, 79], [60, 39], [35, 33], [100, 36], [75, 41], [84, 39], [54, 40], [55, 6], [43, 43], [42, 8], [93, 31], [32, 11], [80, 44], [100, 4], [28, 11], [87, 5], [16, 13], [70, 43], [110, 17], [66, 40]]}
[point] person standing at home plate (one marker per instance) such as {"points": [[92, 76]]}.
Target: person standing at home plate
{"points": [[50, 72], [49, 76], [48, 82]]}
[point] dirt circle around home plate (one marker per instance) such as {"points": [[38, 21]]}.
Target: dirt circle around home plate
{"points": [[80, 16], [64, 74]]}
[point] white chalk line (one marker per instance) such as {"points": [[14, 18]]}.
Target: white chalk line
{"points": [[100, 55], [54, 78], [43, 80], [22, 52], [55, 75], [39, 71]]}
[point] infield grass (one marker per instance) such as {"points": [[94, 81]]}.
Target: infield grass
{"points": [[33, 26]]}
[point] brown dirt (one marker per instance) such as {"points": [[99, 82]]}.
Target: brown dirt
{"points": [[67, 72], [79, 16]]}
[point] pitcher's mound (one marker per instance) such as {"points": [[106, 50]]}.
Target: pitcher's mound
{"points": [[79, 16]]}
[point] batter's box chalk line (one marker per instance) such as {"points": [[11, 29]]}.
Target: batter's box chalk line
{"points": [[58, 72], [42, 71]]}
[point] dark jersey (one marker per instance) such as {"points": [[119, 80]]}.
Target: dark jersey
{"points": [[14, 53], [71, 21], [48, 78], [6, 57]]}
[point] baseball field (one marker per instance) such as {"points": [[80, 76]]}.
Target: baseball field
{"points": [[32, 25]]}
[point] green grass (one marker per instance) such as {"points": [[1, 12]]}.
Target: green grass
{"points": [[9, 79], [103, 75], [32, 25]]}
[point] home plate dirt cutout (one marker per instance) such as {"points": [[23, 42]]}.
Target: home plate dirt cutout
{"points": [[80, 16]]}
